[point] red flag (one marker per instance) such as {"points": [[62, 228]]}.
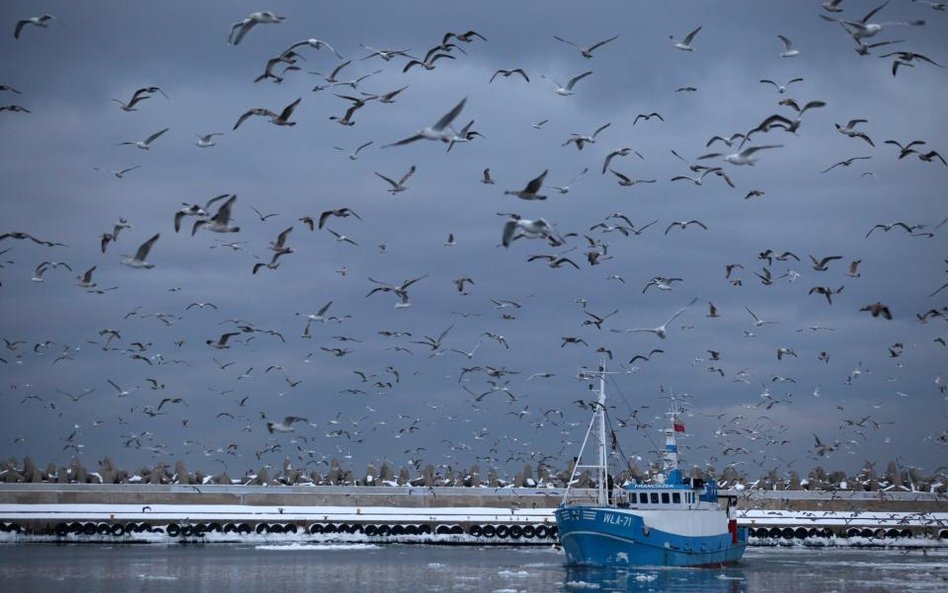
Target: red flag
{"points": [[678, 426]]}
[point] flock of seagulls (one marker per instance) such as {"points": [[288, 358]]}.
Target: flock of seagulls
{"points": [[474, 330]]}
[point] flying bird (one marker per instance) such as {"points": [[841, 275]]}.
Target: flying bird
{"points": [[400, 185], [220, 222], [845, 163], [239, 29], [662, 330], [567, 89], [146, 143], [781, 88], [529, 192], [685, 44], [850, 130], [586, 51], [683, 224], [36, 21], [876, 309], [207, 140], [339, 212], [625, 180], [507, 73], [221, 342], [581, 139], [788, 50], [139, 259], [400, 291], [744, 157], [286, 425], [441, 130], [625, 151], [517, 228]]}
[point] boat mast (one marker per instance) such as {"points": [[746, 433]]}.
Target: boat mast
{"points": [[602, 493], [597, 424]]}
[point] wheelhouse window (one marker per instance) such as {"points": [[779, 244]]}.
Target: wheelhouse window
{"points": [[664, 498], [654, 497], [676, 498], [643, 497]]}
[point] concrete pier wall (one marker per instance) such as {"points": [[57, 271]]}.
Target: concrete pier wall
{"points": [[80, 512]]}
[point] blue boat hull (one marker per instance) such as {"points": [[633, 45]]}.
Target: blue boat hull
{"points": [[593, 536]]}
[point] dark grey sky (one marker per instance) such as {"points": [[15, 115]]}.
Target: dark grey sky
{"points": [[876, 390]]}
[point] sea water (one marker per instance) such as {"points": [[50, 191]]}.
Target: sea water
{"points": [[344, 568]]}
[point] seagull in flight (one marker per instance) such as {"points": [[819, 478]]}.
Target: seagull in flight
{"points": [[138, 260], [625, 151], [781, 88], [146, 143], [625, 180], [340, 212], [206, 140], [845, 163], [401, 290], [280, 119], [507, 73], [862, 28], [530, 191], [662, 330], [757, 320], [581, 139], [441, 130], [399, 185], [286, 425], [239, 29], [354, 155], [517, 228], [788, 50], [565, 188], [586, 51], [685, 44], [743, 157], [36, 21], [220, 222], [567, 89], [313, 43]]}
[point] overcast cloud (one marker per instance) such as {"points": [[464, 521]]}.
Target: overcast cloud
{"points": [[872, 384]]}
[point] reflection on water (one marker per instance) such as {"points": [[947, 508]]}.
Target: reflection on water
{"points": [[419, 568], [729, 580]]}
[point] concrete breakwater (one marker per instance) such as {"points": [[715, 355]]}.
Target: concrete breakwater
{"points": [[211, 513]]}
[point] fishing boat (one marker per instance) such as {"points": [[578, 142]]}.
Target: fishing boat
{"points": [[671, 521]]}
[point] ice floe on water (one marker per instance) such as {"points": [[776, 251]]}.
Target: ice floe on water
{"points": [[302, 546], [582, 585]]}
